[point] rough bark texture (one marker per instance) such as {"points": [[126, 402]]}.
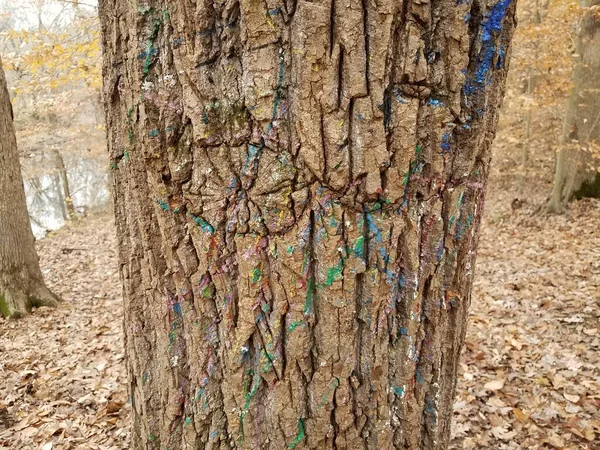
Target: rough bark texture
{"points": [[298, 191], [21, 282], [576, 167]]}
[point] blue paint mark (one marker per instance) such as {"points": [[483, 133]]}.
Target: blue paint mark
{"points": [[440, 252], [177, 309], [399, 97], [177, 42], [274, 11], [446, 141], [403, 331], [490, 27], [461, 229], [373, 229], [419, 377], [153, 133], [206, 227], [501, 57], [434, 102], [164, 205], [148, 54], [495, 18], [254, 152]]}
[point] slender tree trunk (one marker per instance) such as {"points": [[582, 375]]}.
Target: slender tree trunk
{"points": [[21, 282], [298, 192], [60, 196], [581, 131], [62, 170]]}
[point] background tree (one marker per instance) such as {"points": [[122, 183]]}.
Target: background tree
{"points": [[21, 282], [299, 187], [577, 164]]}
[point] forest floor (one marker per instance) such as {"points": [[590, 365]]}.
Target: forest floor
{"points": [[530, 372]]}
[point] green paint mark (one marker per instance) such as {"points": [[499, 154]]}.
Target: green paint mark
{"points": [[206, 227], [451, 221], [164, 205], [249, 395], [294, 325], [152, 437], [334, 273], [310, 295], [399, 391], [300, 436], [207, 292], [113, 165], [127, 155], [172, 336], [305, 261], [359, 247], [336, 383], [150, 46], [188, 420], [256, 275], [418, 151], [267, 366], [405, 177], [290, 250]]}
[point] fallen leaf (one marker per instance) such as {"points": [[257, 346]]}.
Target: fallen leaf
{"points": [[573, 398], [520, 415], [494, 385]]}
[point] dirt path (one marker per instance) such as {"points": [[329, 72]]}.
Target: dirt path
{"points": [[530, 376]]}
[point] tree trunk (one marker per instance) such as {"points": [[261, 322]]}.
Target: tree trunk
{"points": [[298, 191], [21, 282], [576, 166], [68, 199]]}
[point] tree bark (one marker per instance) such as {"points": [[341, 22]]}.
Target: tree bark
{"points": [[576, 166], [21, 282], [298, 191]]}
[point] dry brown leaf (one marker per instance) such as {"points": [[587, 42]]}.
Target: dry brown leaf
{"points": [[573, 398], [494, 385], [520, 415]]}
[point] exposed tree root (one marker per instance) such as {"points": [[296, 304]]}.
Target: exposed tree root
{"points": [[16, 303]]}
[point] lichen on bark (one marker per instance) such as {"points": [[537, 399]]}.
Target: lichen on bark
{"points": [[298, 214]]}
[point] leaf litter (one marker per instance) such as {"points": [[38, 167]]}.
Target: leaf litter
{"points": [[529, 374]]}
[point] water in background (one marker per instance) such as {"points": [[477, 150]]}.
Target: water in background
{"points": [[87, 176]]}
